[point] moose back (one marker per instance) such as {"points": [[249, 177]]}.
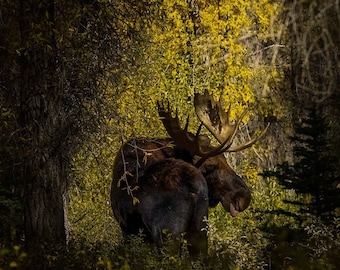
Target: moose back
{"points": [[167, 185]]}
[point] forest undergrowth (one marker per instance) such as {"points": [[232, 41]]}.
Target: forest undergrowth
{"points": [[256, 239]]}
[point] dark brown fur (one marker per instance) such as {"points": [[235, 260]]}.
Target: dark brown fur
{"points": [[163, 190]]}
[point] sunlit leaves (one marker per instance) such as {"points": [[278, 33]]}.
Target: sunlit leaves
{"points": [[184, 56], [180, 57]]}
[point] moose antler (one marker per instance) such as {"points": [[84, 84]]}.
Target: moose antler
{"points": [[195, 144], [215, 119]]}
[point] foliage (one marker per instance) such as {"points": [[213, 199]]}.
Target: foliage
{"points": [[227, 53], [241, 246], [196, 46], [90, 213], [310, 247], [14, 258], [58, 58], [173, 66], [314, 170], [115, 60]]}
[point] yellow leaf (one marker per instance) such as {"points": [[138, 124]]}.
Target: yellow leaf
{"points": [[13, 265], [135, 201]]}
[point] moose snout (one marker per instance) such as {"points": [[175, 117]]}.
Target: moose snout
{"points": [[237, 199]]}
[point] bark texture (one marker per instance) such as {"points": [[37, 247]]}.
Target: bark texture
{"points": [[42, 123]]}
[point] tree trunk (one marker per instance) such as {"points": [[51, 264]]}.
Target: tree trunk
{"points": [[45, 203], [42, 120]]}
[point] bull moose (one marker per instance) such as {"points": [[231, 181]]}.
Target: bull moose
{"points": [[168, 184]]}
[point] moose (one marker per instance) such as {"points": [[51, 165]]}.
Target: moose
{"points": [[168, 185]]}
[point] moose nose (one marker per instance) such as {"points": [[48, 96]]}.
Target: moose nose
{"points": [[244, 202]]}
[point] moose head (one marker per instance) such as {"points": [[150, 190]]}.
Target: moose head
{"points": [[169, 184]]}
